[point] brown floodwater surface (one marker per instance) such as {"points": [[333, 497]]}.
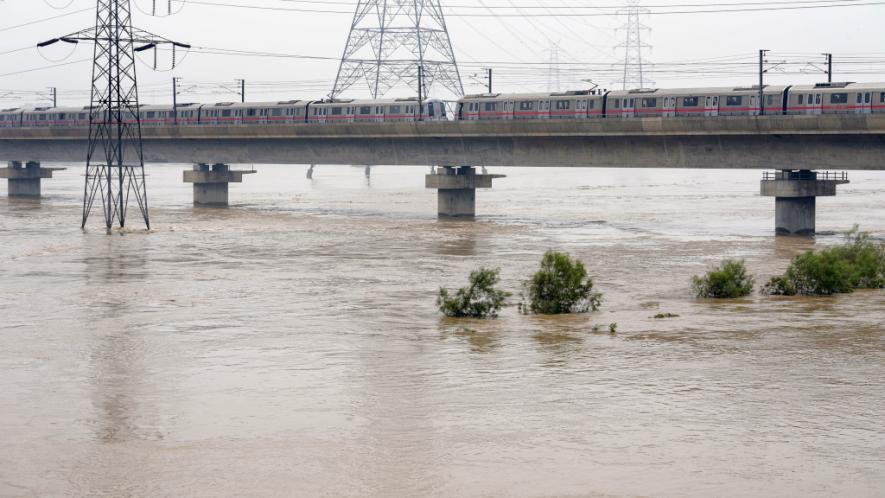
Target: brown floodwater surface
{"points": [[290, 345]]}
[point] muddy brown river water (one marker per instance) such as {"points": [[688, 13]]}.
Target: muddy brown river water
{"points": [[290, 346]]}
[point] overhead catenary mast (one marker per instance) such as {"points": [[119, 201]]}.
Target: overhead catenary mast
{"points": [[391, 41]]}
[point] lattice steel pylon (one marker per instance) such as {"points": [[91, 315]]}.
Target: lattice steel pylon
{"points": [[389, 40], [115, 157], [634, 71]]}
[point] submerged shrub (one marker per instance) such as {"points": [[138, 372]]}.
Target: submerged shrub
{"points": [[859, 263], [728, 281], [480, 300], [560, 286]]}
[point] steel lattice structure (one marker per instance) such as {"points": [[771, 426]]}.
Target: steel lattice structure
{"points": [[115, 157], [389, 40], [634, 76]]}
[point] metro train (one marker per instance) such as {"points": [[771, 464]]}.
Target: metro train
{"points": [[822, 98]]}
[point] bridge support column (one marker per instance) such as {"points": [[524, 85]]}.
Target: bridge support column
{"points": [[456, 190], [25, 181], [211, 183], [795, 197]]}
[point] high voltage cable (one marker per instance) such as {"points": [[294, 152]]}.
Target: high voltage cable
{"points": [[513, 6], [45, 19], [731, 8]]}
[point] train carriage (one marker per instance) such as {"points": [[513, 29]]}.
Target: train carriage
{"points": [[46, 117], [229, 113], [11, 118], [837, 98], [580, 104], [331, 111], [686, 102], [156, 115]]}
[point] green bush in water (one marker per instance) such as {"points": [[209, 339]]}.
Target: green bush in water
{"points": [[480, 300], [857, 264], [560, 286], [728, 281]]}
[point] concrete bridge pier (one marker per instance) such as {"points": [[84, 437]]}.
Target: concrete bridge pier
{"points": [[795, 195], [25, 181], [211, 183], [456, 190]]}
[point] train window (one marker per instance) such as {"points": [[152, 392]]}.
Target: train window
{"points": [[225, 113], [277, 112], [617, 103], [631, 104], [839, 98], [61, 116], [526, 106], [563, 105], [592, 104], [801, 99], [734, 100], [365, 110], [817, 99], [491, 106], [882, 97], [151, 114], [649, 102], [866, 98], [770, 100], [250, 112], [690, 101], [336, 111], [395, 109]]}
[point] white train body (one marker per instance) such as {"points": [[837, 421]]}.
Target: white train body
{"points": [[716, 102]]}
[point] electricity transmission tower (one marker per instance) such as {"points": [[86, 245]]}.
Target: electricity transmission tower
{"points": [[395, 42], [634, 76], [115, 159], [554, 76]]}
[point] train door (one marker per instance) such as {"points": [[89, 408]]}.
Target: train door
{"points": [[669, 106], [864, 103], [508, 110], [818, 106], [629, 109], [711, 106]]}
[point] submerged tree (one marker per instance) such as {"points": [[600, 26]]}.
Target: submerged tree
{"points": [[480, 300], [859, 263], [560, 286], [728, 281]]}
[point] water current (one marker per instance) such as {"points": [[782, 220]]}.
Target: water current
{"points": [[290, 345]]}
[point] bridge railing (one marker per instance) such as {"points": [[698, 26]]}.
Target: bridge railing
{"points": [[836, 176]]}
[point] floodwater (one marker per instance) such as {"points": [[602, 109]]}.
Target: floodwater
{"points": [[290, 346]]}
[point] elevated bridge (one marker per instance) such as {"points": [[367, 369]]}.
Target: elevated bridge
{"points": [[795, 146], [846, 142]]}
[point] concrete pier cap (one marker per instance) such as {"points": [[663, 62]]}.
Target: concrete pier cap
{"points": [[24, 179], [796, 193], [211, 183], [456, 189]]}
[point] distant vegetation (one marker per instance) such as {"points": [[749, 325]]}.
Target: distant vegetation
{"points": [[479, 300], [728, 281], [859, 263], [560, 286]]}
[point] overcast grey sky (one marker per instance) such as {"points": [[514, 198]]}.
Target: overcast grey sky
{"points": [[795, 35]]}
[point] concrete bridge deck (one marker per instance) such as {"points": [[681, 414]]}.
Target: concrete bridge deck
{"points": [[845, 142]]}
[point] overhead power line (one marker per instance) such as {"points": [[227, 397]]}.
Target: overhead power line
{"points": [[610, 10]]}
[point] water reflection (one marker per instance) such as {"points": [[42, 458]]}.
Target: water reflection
{"points": [[481, 339]]}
